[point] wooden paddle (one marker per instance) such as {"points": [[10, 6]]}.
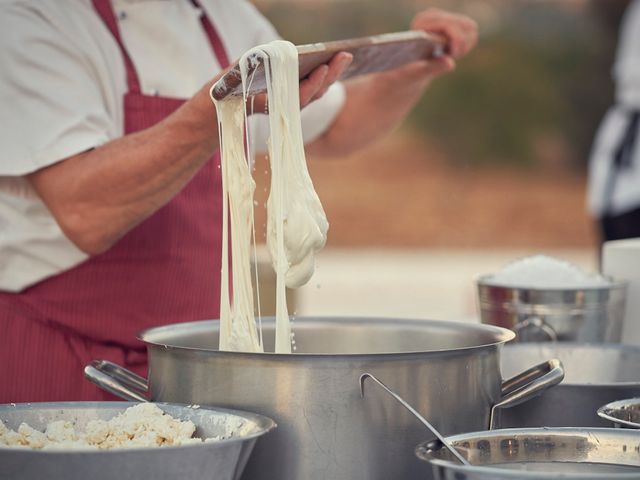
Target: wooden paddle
{"points": [[370, 54]]}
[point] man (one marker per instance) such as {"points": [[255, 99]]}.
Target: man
{"points": [[110, 205], [614, 170]]}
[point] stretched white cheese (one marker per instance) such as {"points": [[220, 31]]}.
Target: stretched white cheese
{"points": [[238, 330], [296, 223]]}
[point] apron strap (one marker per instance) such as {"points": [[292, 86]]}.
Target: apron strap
{"points": [[622, 158], [105, 10], [214, 38]]}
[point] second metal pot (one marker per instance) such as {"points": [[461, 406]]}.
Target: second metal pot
{"points": [[594, 376], [591, 315], [449, 371]]}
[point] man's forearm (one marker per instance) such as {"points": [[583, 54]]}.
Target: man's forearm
{"points": [[99, 195]]}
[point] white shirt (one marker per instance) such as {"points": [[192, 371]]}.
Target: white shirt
{"points": [[62, 80], [626, 72]]}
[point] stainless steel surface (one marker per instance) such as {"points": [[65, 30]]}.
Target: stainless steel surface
{"points": [[448, 371], [223, 460], [594, 376], [539, 315], [415, 413], [129, 379], [623, 413], [538, 454], [111, 381], [527, 385]]}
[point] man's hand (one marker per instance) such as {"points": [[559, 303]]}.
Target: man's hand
{"points": [[319, 81], [314, 86], [461, 33], [462, 36], [377, 103]]}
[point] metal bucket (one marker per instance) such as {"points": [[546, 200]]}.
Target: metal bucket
{"points": [[538, 454], [587, 315], [220, 460], [326, 431], [594, 376], [623, 413]]}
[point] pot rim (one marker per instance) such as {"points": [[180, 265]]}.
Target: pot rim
{"points": [[502, 336], [607, 412], [484, 281], [499, 473]]}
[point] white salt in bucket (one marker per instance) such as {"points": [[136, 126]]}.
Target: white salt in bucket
{"points": [[542, 299]]}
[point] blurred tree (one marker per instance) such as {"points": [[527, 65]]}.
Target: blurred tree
{"points": [[541, 72]]}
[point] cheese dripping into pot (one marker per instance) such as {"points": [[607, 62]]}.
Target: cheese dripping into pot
{"points": [[296, 222]]}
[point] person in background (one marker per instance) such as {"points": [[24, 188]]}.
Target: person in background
{"points": [[614, 169], [110, 195]]}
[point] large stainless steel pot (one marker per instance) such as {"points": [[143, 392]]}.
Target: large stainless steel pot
{"points": [[326, 431], [220, 460], [538, 454], [540, 315], [594, 376]]}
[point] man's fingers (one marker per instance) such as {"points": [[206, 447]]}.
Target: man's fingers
{"points": [[318, 81], [461, 31], [338, 64], [312, 84]]}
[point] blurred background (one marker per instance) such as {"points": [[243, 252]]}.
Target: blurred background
{"points": [[490, 166]]}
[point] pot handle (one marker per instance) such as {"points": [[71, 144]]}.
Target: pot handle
{"points": [[534, 329], [117, 380], [527, 385]]}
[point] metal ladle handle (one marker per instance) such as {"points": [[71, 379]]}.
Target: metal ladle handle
{"points": [[415, 413], [117, 380]]}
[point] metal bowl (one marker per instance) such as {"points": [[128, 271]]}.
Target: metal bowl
{"points": [[219, 460], [594, 376], [623, 413], [538, 454], [540, 315]]}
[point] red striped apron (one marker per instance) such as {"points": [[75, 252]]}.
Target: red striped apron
{"points": [[165, 270]]}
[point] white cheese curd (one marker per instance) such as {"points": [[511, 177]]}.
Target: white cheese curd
{"points": [[143, 425]]}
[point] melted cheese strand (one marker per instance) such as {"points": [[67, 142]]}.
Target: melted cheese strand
{"points": [[237, 323], [296, 224]]}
